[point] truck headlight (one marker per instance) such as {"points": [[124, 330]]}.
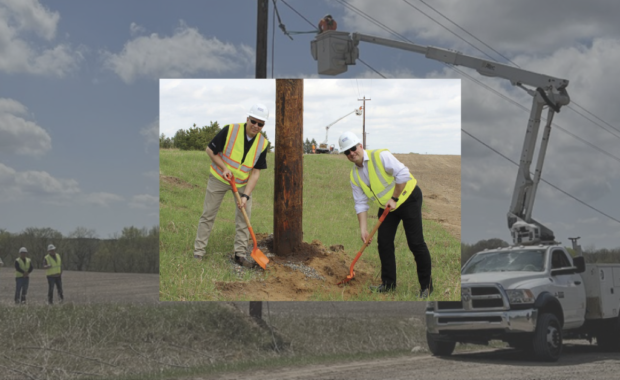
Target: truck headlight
{"points": [[517, 296]]}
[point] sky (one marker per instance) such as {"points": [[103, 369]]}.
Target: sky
{"points": [[79, 90], [428, 110]]}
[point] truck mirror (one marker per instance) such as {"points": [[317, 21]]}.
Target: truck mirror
{"points": [[580, 263]]}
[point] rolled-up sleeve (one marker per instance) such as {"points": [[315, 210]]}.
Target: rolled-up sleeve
{"points": [[394, 167], [361, 200]]}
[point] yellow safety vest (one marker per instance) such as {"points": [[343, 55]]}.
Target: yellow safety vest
{"points": [[55, 265], [381, 183], [233, 154], [23, 266]]}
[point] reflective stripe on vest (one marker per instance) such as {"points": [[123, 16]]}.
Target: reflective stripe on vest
{"points": [[381, 183], [55, 269], [233, 154], [23, 266]]}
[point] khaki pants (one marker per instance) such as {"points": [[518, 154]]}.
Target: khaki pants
{"points": [[216, 190]]}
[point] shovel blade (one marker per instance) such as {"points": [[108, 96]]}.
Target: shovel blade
{"points": [[260, 258], [349, 278]]}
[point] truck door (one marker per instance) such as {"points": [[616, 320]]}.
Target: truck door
{"points": [[569, 290]]}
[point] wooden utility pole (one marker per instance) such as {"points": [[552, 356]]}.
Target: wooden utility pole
{"points": [[364, 122], [288, 175], [262, 18], [262, 21]]}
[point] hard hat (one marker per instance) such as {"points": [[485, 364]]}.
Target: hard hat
{"points": [[51, 247], [347, 140], [259, 111], [23, 250]]}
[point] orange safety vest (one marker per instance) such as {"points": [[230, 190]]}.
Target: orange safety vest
{"points": [[327, 25]]}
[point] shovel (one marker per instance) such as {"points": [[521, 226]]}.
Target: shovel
{"points": [[351, 273], [257, 254]]}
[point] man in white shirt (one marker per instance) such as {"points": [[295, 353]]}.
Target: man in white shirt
{"points": [[379, 177]]}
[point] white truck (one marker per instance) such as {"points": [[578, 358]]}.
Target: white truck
{"points": [[531, 297], [533, 294]]}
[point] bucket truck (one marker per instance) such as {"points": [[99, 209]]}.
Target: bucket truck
{"points": [[323, 148], [533, 294]]}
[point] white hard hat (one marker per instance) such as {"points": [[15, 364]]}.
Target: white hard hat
{"points": [[259, 111], [347, 140], [23, 250], [51, 247]]}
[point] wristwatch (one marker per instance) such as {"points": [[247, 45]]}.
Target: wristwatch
{"points": [[395, 199], [246, 196]]}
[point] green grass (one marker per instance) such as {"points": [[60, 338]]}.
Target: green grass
{"points": [[328, 216]]}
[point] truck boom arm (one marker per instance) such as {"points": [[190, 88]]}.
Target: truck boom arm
{"points": [[335, 50], [357, 112]]}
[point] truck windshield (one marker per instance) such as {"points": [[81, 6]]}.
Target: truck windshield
{"points": [[505, 261]]}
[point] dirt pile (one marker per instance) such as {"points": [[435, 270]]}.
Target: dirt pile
{"points": [[296, 277]]}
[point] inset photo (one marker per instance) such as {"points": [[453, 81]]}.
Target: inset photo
{"points": [[307, 189]]}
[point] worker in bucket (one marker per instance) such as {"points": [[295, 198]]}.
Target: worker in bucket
{"points": [[327, 23], [379, 177], [23, 268], [53, 264], [239, 150]]}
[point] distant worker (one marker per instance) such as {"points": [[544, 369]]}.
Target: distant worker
{"points": [[23, 268], [53, 264], [313, 148], [378, 176], [239, 150], [327, 23]]}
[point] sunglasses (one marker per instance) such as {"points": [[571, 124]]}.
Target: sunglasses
{"points": [[346, 152], [256, 122]]}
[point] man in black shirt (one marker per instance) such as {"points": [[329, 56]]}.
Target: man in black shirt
{"points": [[238, 150]]}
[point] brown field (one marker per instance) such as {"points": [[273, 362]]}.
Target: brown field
{"points": [[84, 287]]}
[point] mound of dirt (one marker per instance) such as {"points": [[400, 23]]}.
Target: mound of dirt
{"points": [[296, 277]]}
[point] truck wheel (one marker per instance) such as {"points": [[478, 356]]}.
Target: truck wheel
{"points": [[547, 342], [438, 347], [609, 340]]}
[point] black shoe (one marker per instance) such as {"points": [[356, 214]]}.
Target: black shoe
{"points": [[198, 257], [245, 261], [382, 288], [426, 292]]}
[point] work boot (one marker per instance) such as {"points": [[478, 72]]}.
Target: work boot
{"points": [[244, 260], [426, 292], [383, 288], [198, 257]]}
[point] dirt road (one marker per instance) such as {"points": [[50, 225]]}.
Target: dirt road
{"points": [[579, 361]]}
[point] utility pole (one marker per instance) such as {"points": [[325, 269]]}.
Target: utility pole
{"points": [[262, 18], [288, 172], [262, 21], [364, 121]]}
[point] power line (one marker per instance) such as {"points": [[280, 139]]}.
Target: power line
{"points": [[299, 14], [477, 39], [458, 26], [367, 65], [542, 179]]}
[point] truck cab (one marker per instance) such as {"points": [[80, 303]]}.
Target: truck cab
{"points": [[504, 294]]}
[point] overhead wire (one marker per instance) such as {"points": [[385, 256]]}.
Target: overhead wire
{"points": [[542, 179], [507, 59]]}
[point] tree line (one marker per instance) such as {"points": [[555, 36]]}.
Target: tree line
{"points": [[196, 138], [308, 145], [134, 250], [591, 254]]}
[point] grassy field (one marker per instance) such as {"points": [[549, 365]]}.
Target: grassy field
{"points": [[328, 216], [180, 339]]}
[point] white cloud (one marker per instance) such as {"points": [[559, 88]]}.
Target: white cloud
{"points": [[136, 29], [102, 199], [18, 20], [184, 53], [41, 185], [144, 201], [18, 135]]}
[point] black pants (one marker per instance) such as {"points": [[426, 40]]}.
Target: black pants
{"points": [[410, 212], [51, 281]]}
